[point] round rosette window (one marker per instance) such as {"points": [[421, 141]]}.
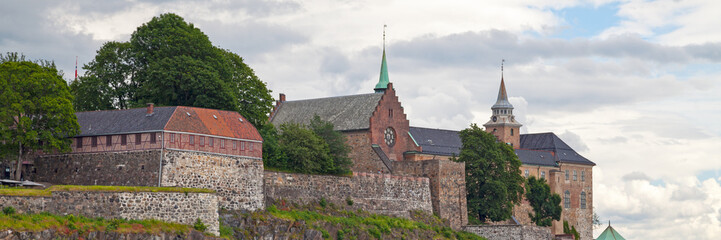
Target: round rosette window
{"points": [[389, 136]]}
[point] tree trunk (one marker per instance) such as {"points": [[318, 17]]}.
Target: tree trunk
{"points": [[19, 165]]}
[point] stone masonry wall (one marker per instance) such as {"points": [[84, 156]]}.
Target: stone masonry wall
{"points": [[510, 232], [448, 187], [237, 180], [362, 154], [168, 206], [128, 168], [376, 193]]}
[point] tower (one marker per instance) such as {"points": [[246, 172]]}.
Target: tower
{"points": [[502, 123]]}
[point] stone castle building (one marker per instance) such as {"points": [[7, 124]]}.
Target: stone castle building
{"points": [[382, 140], [163, 146]]}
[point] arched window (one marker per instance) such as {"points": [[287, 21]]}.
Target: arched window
{"points": [[567, 199], [583, 200]]}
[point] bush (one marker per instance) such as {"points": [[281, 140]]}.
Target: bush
{"points": [[8, 210], [199, 225]]}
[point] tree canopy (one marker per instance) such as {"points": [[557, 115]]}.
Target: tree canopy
{"points": [[171, 62], [546, 205], [493, 179], [36, 111], [316, 148]]}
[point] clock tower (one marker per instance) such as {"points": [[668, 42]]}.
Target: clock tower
{"points": [[503, 124]]}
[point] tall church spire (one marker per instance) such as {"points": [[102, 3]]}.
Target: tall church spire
{"points": [[503, 124], [383, 80]]}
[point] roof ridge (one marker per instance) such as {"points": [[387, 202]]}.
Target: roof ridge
{"points": [[354, 95]]}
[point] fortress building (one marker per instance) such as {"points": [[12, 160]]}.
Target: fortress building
{"points": [[163, 146]]}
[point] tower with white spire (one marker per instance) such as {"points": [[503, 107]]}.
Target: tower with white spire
{"points": [[502, 123]]}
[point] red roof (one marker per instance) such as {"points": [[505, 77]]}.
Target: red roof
{"points": [[212, 122]]}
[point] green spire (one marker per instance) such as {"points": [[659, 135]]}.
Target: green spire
{"points": [[383, 80]]}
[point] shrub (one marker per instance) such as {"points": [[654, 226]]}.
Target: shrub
{"points": [[8, 210], [199, 225]]}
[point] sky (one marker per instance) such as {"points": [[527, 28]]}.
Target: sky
{"points": [[633, 85]]}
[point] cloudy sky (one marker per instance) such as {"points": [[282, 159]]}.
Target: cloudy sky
{"points": [[633, 85]]}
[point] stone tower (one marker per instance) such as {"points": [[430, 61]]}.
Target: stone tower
{"points": [[502, 123]]}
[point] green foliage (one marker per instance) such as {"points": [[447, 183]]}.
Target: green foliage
{"points": [[295, 148], [546, 205], [36, 111], [8, 210], [493, 178], [199, 225], [336, 143], [171, 62]]}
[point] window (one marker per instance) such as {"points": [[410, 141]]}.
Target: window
{"points": [[137, 138], [543, 174], [222, 143], [242, 146], [152, 138], [567, 199], [583, 200], [94, 142], [79, 142], [526, 173], [123, 139], [202, 141], [172, 137], [575, 175], [108, 140], [235, 144], [191, 139], [210, 141], [566, 174], [583, 176]]}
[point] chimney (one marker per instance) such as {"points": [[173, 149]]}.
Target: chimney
{"points": [[150, 109], [282, 97]]}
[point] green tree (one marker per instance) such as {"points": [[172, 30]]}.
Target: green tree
{"points": [[36, 111], [336, 143], [493, 178], [305, 151], [171, 62], [546, 205]]}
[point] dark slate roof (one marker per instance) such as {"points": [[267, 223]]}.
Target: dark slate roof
{"points": [[536, 157], [122, 121], [351, 112], [437, 141], [551, 142]]}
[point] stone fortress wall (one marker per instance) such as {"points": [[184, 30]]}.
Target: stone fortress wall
{"points": [[377, 193], [184, 208], [236, 179]]}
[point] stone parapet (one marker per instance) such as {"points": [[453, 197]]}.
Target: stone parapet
{"points": [[510, 232], [376, 193]]}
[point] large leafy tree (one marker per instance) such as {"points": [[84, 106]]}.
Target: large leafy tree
{"points": [[546, 205], [171, 62], [493, 178], [338, 149], [36, 111]]}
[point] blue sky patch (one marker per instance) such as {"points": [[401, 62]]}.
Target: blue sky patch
{"points": [[586, 21]]}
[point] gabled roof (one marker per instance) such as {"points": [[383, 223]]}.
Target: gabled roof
{"points": [[610, 234], [176, 118], [536, 157], [437, 141], [122, 121], [551, 142], [351, 112]]}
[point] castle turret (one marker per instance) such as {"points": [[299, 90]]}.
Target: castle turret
{"points": [[502, 123]]}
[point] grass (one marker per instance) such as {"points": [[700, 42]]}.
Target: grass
{"points": [[74, 188], [69, 224], [375, 225]]}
